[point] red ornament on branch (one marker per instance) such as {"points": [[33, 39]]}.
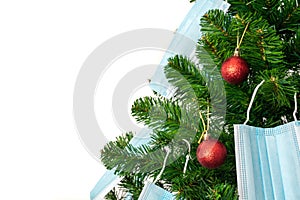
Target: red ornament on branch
{"points": [[211, 153], [235, 70]]}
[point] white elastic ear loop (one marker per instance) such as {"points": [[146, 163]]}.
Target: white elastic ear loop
{"points": [[164, 165], [251, 102], [295, 111], [188, 156]]}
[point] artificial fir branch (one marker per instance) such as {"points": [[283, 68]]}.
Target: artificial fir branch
{"points": [[220, 26], [161, 114], [154, 111], [192, 83], [219, 23], [112, 195], [133, 184]]}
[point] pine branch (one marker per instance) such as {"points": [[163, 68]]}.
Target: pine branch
{"points": [[133, 184], [276, 12], [166, 116], [188, 80], [198, 87], [112, 195], [154, 112], [216, 34]]}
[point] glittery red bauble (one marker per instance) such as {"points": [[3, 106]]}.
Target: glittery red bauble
{"points": [[234, 70], [211, 153]]}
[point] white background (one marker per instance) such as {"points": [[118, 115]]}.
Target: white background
{"points": [[42, 47]]}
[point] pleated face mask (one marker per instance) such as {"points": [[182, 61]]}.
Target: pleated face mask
{"points": [[153, 192], [268, 161]]}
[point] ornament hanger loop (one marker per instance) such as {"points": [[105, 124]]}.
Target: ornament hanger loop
{"points": [[239, 42], [205, 126]]}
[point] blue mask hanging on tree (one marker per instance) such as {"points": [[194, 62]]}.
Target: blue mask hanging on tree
{"points": [[152, 191], [268, 160]]}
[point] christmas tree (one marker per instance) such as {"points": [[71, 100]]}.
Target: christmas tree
{"points": [[260, 38]]}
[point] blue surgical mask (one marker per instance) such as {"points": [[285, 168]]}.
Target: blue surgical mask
{"points": [[109, 180], [153, 192], [106, 183], [268, 160]]}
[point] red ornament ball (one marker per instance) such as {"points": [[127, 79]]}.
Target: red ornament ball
{"points": [[211, 153], [234, 70]]}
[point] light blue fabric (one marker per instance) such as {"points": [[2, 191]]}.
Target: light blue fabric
{"points": [[153, 192], [268, 162], [190, 29], [109, 180], [128, 196]]}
